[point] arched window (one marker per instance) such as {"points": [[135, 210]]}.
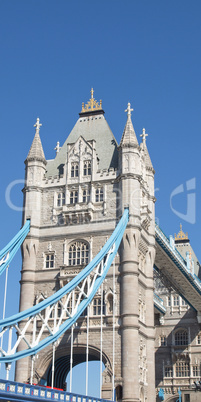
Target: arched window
{"points": [[74, 169], [99, 194], [78, 253], [118, 393], [61, 199], [87, 168], [181, 337]]}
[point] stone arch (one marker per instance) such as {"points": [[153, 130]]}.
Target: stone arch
{"points": [[62, 362], [118, 392], [173, 398]]}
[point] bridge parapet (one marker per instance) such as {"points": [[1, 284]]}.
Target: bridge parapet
{"points": [[14, 390]]}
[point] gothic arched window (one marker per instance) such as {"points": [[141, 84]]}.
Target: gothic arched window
{"points": [[78, 253], [74, 169], [87, 168], [181, 337], [99, 194]]}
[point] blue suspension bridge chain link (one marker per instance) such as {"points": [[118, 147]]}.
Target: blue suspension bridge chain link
{"points": [[70, 301], [8, 252]]}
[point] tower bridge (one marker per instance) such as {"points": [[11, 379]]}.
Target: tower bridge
{"points": [[90, 244]]}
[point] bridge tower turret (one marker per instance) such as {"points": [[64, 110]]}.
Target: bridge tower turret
{"points": [[34, 172], [137, 255]]}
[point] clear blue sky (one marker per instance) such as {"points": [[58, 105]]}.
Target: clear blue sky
{"points": [[144, 52]]}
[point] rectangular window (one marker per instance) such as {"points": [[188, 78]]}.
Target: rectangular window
{"points": [[73, 197], [168, 371], [184, 303], [49, 260], [99, 194], [61, 199], [163, 341], [97, 306], [182, 369], [199, 339], [169, 301], [176, 301], [86, 196], [196, 371]]}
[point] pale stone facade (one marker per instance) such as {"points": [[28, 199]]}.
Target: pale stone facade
{"points": [[75, 201], [178, 335]]}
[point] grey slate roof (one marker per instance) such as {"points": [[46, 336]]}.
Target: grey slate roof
{"points": [[36, 151], [90, 128]]}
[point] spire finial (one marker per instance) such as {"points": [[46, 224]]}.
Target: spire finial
{"points": [[181, 235], [143, 135], [92, 104], [129, 110], [37, 125]]}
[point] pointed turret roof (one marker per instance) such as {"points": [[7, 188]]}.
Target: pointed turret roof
{"points": [[129, 136], [143, 145], [36, 151]]}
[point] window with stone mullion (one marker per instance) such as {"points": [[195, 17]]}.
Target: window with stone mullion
{"points": [[168, 371], [182, 369], [74, 197], [86, 196], [87, 168], [61, 199], [97, 306], [49, 263], [78, 254], [99, 194], [181, 338], [74, 169]]}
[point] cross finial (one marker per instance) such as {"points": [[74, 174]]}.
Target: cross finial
{"points": [[129, 110], [37, 125], [92, 93], [144, 135]]}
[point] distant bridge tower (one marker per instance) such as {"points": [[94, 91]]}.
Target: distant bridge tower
{"points": [[74, 203]]}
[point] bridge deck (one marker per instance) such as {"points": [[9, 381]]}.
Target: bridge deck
{"points": [[13, 391]]}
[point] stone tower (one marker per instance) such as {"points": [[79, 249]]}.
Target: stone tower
{"points": [[74, 203]]}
